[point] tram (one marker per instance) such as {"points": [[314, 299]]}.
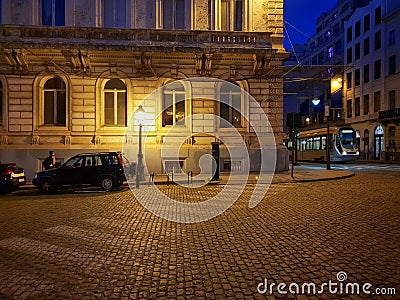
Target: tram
{"points": [[311, 144]]}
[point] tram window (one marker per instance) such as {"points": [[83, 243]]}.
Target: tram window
{"points": [[310, 144], [323, 143], [317, 143]]}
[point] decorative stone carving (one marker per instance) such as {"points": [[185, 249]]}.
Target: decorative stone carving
{"points": [[129, 139], [260, 64], [3, 140], [67, 140], [159, 140], [80, 62], [96, 140], [143, 62], [113, 69], [16, 58], [35, 139], [174, 70], [232, 72], [203, 63]]}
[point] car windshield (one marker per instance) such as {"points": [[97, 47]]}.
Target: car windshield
{"points": [[74, 162]]}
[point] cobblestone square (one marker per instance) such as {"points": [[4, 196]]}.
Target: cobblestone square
{"points": [[108, 246]]}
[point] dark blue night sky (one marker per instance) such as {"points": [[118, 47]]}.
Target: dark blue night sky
{"points": [[303, 14]]}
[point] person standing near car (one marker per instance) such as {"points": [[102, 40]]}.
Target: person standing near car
{"points": [[50, 161]]}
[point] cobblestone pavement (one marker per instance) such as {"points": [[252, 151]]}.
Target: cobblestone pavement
{"points": [[106, 245]]}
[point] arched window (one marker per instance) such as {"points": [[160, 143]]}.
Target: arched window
{"points": [[53, 12], [173, 104], [114, 13], [54, 102], [115, 103], [230, 106]]}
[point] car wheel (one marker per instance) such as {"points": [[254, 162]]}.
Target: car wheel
{"points": [[47, 186], [107, 183]]}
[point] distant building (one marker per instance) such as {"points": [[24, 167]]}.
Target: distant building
{"points": [[323, 60], [372, 83], [73, 72]]}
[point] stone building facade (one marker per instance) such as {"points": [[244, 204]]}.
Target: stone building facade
{"points": [[73, 72], [371, 91]]}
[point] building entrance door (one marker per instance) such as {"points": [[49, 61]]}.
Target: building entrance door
{"points": [[379, 142]]}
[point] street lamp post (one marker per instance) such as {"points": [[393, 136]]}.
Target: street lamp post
{"points": [[336, 85], [328, 138], [139, 115]]}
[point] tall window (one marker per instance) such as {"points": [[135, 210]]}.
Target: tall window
{"points": [[231, 15], [366, 46], [230, 105], [173, 104], [366, 104], [349, 80], [349, 108], [392, 64], [392, 99], [173, 14], [377, 69], [349, 34], [377, 43], [367, 22], [349, 55], [114, 13], [357, 106], [366, 73], [392, 37], [53, 12], [54, 102], [377, 101], [357, 29], [115, 103], [357, 51], [357, 76], [378, 15]]}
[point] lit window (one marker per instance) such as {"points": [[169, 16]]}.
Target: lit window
{"points": [[173, 104], [328, 34], [231, 15], [331, 52], [114, 13], [231, 105], [53, 12], [54, 102], [115, 103]]}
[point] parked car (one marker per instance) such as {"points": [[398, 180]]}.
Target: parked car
{"points": [[11, 177], [104, 169]]}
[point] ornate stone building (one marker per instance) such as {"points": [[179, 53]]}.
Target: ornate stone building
{"points": [[72, 72]]}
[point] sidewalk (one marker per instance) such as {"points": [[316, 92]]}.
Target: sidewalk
{"points": [[302, 173]]}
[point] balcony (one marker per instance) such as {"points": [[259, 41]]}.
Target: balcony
{"points": [[390, 116], [135, 39]]}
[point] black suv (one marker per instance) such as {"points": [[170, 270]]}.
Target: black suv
{"points": [[11, 177], [104, 169]]}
